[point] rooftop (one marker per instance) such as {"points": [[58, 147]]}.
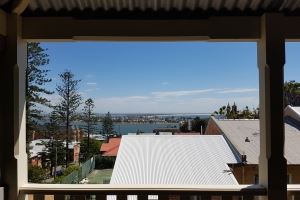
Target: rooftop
{"points": [[111, 148], [174, 159], [238, 130], [293, 113]]}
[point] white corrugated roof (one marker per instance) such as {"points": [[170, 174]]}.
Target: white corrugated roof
{"points": [[237, 131], [176, 159], [293, 112], [37, 146], [297, 109]]}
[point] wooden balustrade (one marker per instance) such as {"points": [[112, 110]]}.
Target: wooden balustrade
{"points": [[94, 192]]}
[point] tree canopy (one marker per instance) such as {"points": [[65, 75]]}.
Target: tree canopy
{"points": [[36, 79], [292, 93], [232, 112], [199, 125], [89, 118], [107, 125], [70, 100]]}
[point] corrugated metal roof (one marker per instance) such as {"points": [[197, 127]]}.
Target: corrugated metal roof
{"points": [[172, 159], [164, 4], [38, 146], [293, 113], [237, 131]]}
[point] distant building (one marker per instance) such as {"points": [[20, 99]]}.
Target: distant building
{"points": [[187, 133], [141, 134], [243, 136], [165, 133], [172, 130], [98, 137]]}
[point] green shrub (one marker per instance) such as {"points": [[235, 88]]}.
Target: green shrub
{"points": [[70, 169], [103, 162], [36, 174], [58, 179]]}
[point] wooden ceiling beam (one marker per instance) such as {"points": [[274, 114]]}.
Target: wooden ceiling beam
{"points": [[213, 28], [19, 6]]}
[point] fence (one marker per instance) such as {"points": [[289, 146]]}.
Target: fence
{"points": [[76, 176], [86, 168]]}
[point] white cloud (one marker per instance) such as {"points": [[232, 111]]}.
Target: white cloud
{"points": [[181, 93], [89, 76], [91, 83], [238, 90], [149, 105], [202, 100]]}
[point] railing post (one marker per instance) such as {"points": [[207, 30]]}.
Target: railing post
{"points": [[59, 197], [121, 197], [142, 197], [185, 197], [271, 59], [248, 197], [163, 197], [205, 197], [100, 197], [227, 197]]}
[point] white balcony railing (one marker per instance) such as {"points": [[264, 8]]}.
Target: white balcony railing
{"points": [[163, 191], [143, 190]]}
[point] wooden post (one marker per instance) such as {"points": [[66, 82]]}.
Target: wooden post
{"points": [[271, 59], [13, 127]]}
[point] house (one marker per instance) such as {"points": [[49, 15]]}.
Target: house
{"points": [[174, 160], [111, 147], [38, 147], [187, 133], [292, 114], [268, 23], [172, 130], [243, 136]]}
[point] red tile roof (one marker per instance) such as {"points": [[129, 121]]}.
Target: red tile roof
{"points": [[111, 148]]}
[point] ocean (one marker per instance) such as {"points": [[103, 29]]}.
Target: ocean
{"points": [[125, 128]]}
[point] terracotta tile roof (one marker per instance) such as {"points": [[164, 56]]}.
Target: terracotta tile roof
{"points": [[111, 152], [111, 148]]}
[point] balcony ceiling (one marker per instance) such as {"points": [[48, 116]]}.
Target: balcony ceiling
{"points": [[155, 8]]}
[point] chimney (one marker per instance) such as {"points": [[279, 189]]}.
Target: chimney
{"points": [[189, 125], [244, 159], [247, 139], [33, 135]]}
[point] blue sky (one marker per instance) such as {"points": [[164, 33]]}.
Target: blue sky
{"points": [[164, 77]]}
